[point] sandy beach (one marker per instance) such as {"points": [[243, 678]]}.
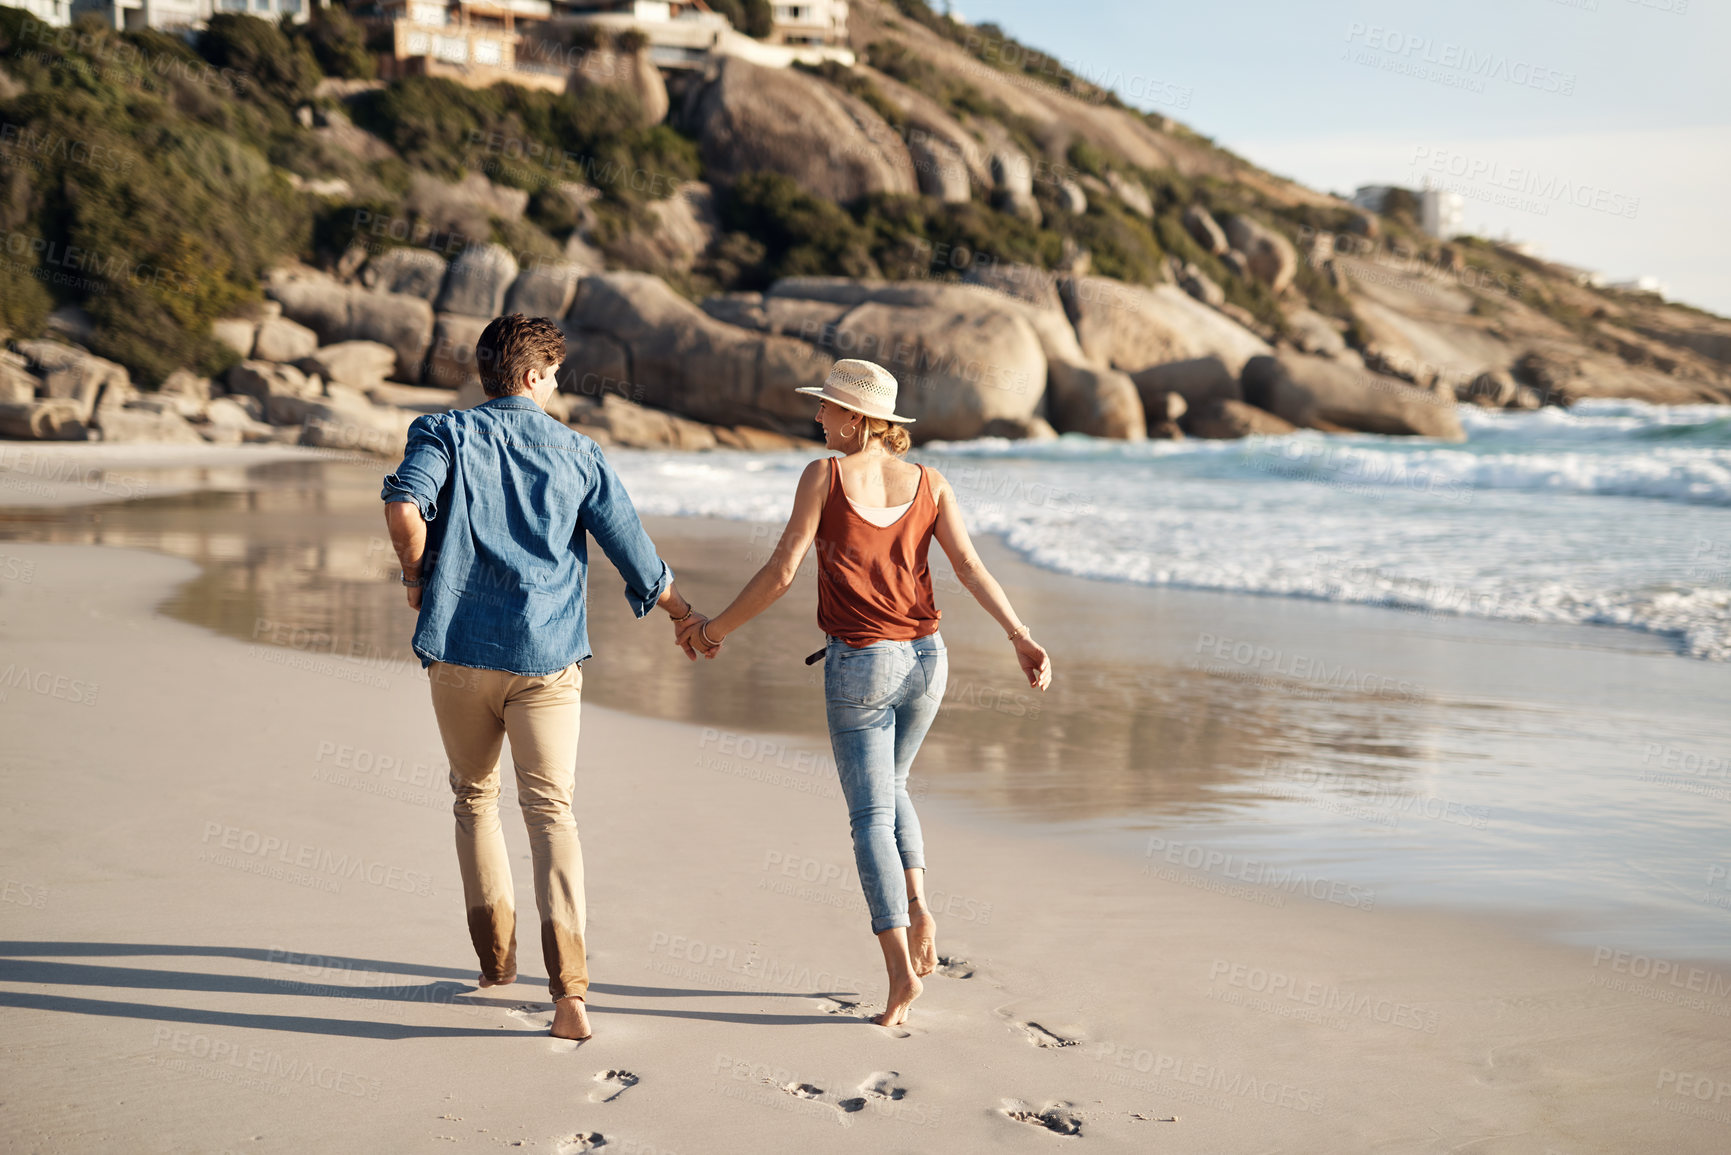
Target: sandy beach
{"points": [[233, 923]]}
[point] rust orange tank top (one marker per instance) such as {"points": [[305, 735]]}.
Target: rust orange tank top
{"points": [[872, 582]]}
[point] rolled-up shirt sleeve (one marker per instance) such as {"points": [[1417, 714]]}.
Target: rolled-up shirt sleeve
{"points": [[612, 521], [426, 466]]}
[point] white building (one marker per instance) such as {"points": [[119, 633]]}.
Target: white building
{"points": [[687, 34], [55, 12], [810, 23], [184, 15], [1441, 213]]}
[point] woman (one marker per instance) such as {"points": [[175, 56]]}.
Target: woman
{"points": [[873, 517]]}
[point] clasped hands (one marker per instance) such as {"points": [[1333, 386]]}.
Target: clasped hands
{"points": [[691, 636]]}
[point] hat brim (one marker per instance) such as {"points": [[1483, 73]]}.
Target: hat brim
{"points": [[817, 391]]}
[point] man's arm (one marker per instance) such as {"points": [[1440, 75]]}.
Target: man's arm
{"points": [[611, 519], [411, 497], [408, 531]]}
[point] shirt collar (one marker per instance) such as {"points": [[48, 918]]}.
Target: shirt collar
{"points": [[511, 401]]}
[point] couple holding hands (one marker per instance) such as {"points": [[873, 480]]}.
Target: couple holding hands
{"points": [[490, 513]]}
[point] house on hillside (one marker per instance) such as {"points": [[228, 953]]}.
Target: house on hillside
{"points": [[688, 34], [474, 42], [57, 13], [1440, 213], [812, 23]]}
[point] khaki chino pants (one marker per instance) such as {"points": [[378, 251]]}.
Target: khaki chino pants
{"points": [[476, 710]]}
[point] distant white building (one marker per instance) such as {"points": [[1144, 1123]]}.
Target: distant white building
{"points": [[1441, 213], [810, 23], [1646, 283], [688, 34], [185, 15], [55, 12]]}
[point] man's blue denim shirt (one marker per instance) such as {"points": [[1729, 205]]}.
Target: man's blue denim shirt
{"points": [[508, 493]]}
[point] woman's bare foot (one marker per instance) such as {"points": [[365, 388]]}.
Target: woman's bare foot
{"points": [[903, 992], [484, 981], [922, 938], [570, 1019]]}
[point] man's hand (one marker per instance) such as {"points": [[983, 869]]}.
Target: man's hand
{"points": [[414, 593], [682, 633], [691, 637]]}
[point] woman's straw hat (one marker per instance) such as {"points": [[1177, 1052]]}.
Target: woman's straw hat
{"points": [[863, 387]]}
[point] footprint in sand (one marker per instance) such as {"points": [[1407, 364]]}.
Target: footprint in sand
{"points": [[613, 1085], [835, 1006], [882, 1085], [1060, 1118], [1041, 1037], [577, 1144], [952, 967]]}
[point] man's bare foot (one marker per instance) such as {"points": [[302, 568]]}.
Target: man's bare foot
{"points": [[484, 981], [922, 938], [571, 1019], [902, 995]]}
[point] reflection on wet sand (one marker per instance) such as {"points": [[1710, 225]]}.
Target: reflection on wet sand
{"points": [[294, 555]]}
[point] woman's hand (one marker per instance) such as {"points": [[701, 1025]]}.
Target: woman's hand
{"points": [[1035, 662], [691, 634]]}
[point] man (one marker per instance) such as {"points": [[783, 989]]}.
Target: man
{"points": [[488, 513]]}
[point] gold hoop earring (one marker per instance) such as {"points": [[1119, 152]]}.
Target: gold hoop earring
{"points": [[847, 434]]}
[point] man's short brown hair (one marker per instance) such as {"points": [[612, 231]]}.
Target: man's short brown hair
{"points": [[515, 345]]}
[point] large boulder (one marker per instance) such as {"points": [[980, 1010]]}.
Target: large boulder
{"points": [[281, 339], [477, 281], [44, 419], [17, 383], [1013, 183], [144, 424], [609, 66], [940, 168], [451, 362], [1199, 380], [1317, 393], [238, 333], [266, 379], [1097, 402], [338, 312], [667, 353], [71, 374], [756, 119], [1133, 193], [1224, 419], [417, 272], [1205, 230], [1130, 327], [544, 289], [361, 364], [1269, 256]]}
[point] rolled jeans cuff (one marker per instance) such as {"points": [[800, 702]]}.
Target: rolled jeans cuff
{"points": [[889, 922]]}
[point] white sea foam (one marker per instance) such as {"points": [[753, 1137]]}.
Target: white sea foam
{"points": [[1614, 513]]}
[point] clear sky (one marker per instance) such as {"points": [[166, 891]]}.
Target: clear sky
{"points": [[1598, 129]]}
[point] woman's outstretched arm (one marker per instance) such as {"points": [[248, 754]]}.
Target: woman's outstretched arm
{"points": [[777, 574], [971, 571]]}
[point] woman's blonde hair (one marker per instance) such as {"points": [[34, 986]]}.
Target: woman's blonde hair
{"points": [[893, 434]]}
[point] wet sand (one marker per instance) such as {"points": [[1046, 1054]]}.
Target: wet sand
{"points": [[233, 919]]}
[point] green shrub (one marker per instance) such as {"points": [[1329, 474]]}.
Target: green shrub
{"points": [[339, 44], [270, 67], [801, 234]]}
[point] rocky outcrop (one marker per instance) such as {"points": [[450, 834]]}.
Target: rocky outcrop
{"points": [[477, 281], [1205, 230], [69, 375], [544, 289], [281, 339], [1199, 380], [940, 168], [1197, 283], [753, 119], [1013, 183], [358, 364], [1224, 419], [1131, 328], [43, 419], [1316, 393], [609, 66], [1132, 193], [1269, 256], [1097, 402], [631, 329], [417, 272], [451, 361], [338, 312]]}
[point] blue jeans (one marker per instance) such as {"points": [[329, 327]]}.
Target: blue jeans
{"points": [[881, 700]]}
